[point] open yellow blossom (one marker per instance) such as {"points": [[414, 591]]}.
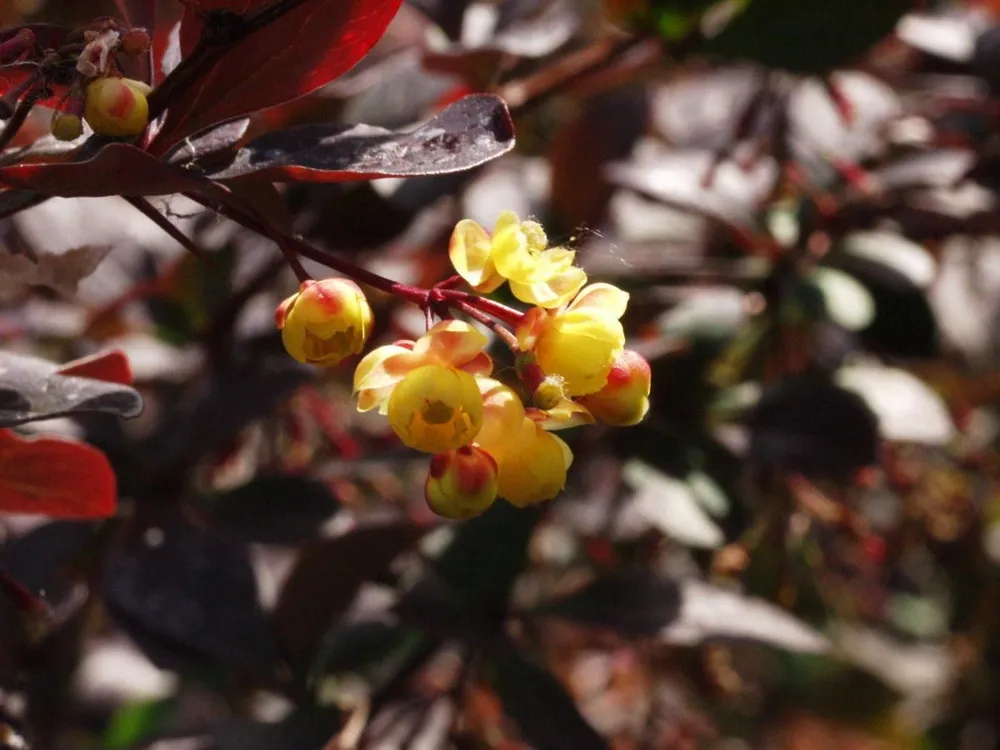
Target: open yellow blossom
{"points": [[534, 467], [325, 321], [554, 290], [470, 250], [581, 341], [436, 408], [451, 343], [517, 251]]}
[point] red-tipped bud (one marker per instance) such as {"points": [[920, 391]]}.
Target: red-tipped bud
{"points": [[325, 321], [135, 42], [461, 483], [117, 106], [624, 400]]}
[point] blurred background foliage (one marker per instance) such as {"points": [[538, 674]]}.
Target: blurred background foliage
{"points": [[799, 549]]}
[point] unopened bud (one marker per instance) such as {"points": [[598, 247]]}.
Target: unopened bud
{"points": [[549, 393], [624, 400], [67, 127], [135, 42], [117, 106], [461, 483]]}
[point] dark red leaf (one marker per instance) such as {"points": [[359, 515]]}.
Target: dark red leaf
{"points": [[54, 477], [296, 54], [141, 13], [469, 133], [116, 169], [111, 367]]}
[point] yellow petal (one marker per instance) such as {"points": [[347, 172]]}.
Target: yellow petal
{"points": [[562, 416], [469, 249], [381, 367], [436, 409], [554, 291], [581, 346], [605, 297], [503, 414], [535, 469], [452, 342]]}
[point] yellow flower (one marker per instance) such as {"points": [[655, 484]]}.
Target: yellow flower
{"points": [[580, 342], [624, 400], [518, 251], [534, 467], [461, 483], [555, 290], [436, 408], [325, 321], [470, 251], [117, 106], [450, 343], [503, 414]]}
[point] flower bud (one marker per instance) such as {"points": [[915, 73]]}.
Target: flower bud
{"points": [[135, 42], [461, 483], [67, 127], [624, 400], [325, 322], [534, 468], [117, 106]]}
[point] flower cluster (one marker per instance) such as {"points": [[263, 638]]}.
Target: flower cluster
{"points": [[111, 104], [489, 439]]}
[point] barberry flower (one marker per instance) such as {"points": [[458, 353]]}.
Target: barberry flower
{"points": [[451, 343], [624, 400], [471, 252], [117, 106], [325, 321], [461, 483], [517, 251], [580, 342], [534, 465], [503, 415], [436, 408]]}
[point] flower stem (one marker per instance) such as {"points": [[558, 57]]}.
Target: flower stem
{"points": [[292, 247], [508, 315], [479, 316]]}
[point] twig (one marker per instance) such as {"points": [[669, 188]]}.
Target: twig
{"points": [[147, 210]]}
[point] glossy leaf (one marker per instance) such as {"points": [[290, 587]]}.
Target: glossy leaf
{"points": [[187, 595], [294, 55], [116, 169], [470, 132], [32, 389], [54, 477]]}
